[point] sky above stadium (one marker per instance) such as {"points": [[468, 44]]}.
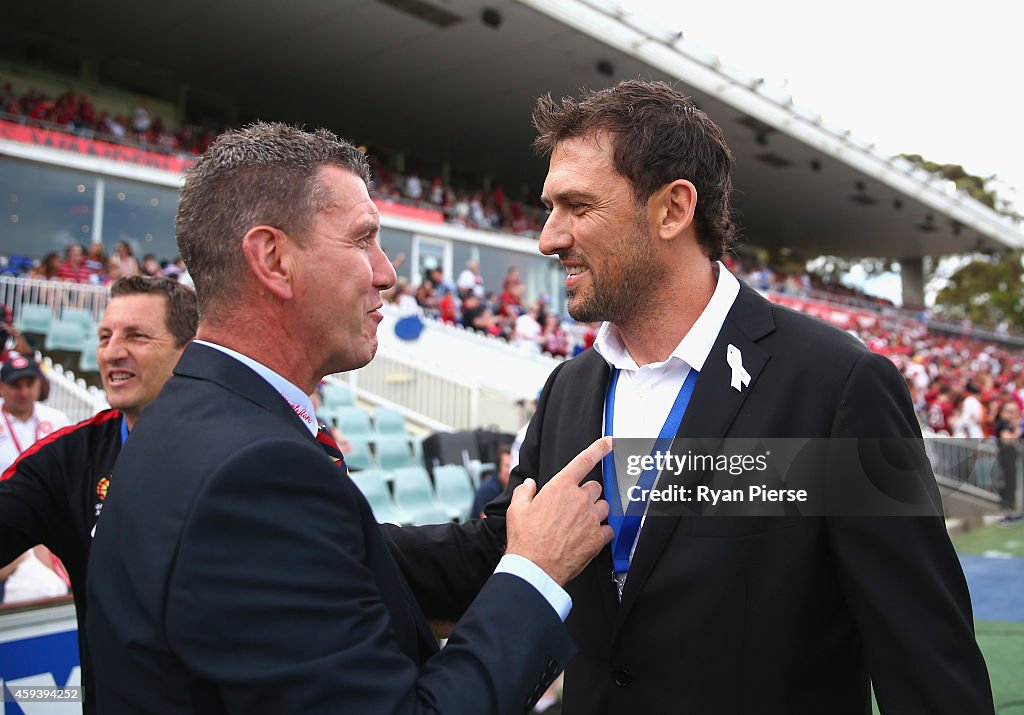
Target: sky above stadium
{"points": [[941, 79]]}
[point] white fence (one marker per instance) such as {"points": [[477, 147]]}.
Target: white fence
{"points": [[469, 357], [16, 292], [71, 396], [433, 398], [968, 465]]}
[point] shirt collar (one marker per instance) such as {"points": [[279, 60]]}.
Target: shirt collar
{"points": [[695, 346], [16, 420], [295, 397]]}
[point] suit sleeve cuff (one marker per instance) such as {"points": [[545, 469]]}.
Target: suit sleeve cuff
{"points": [[525, 569]]}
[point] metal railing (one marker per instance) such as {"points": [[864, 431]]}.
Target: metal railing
{"points": [[965, 464], [424, 394], [20, 291], [70, 395]]}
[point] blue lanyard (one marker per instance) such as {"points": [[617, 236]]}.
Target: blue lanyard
{"points": [[627, 525], [124, 430]]}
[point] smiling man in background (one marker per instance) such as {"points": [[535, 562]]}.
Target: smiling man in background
{"points": [[54, 494]]}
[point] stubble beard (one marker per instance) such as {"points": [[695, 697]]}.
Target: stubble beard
{"points": [[625, 286]]}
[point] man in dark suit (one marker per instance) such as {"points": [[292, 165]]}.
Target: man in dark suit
{"points": [[790, 615], [236, 568]]}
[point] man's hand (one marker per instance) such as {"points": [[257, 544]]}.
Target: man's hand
{"points": [[560, 529]]}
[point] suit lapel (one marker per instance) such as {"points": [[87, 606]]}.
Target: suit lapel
{"points": [[591, 416], [712, 409]]}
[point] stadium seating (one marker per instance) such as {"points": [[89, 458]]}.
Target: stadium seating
{"points": [[63, 335], [454, 490], [337, 395], [394, 453], [352, 421], [81, 316], [389, 421], [373, 486], [34, 319], [414, 495], [87, 362], [359, 457]]}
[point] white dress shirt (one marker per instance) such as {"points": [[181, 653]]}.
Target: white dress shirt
{"points": [[644, 394]]}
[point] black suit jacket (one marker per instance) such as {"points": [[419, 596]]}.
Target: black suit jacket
{"points": [[237, 569], [762, 615]]}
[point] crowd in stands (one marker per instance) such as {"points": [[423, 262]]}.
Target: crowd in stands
{"points": [[531, 326], [960, 386], [77, 114], [93, 266], [489, 210], [801, 283], [469, 208]]}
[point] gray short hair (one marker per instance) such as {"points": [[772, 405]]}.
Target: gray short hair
{"points": [[260, 174]]}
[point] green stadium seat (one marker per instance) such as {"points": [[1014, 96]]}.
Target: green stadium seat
{"points": [[65, 336], [87, 362], [359, 457], [337, 394], [389, 421], [34, 319], [414, 495], [454, 490], [81, 316], [373, 486], [352, 421], [394, 453]]}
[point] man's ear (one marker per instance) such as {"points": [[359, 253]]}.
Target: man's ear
{"points": [[673, 207], [268, 255]]}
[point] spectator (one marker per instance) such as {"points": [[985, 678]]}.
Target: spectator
{"points": [[12, 340], [142, 120], [448, 309], [1008, 432], [73, 268], [55, 493], [413, 188], [113, 271], [555, 340], [25, 421], [426, 298], [527, 332], [151, 266], [970, 416], [48, 269], [470, 280], [511, 290], [128, 265], [96, 258], [494, 485]]}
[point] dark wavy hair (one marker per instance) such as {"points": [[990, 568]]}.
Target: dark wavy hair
{"points": [[658, 135]]}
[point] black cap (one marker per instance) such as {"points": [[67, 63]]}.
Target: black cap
{"points": [[18, 367]]}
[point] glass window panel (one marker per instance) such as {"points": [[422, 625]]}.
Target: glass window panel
{"points": [[396, 243], [141, 215], [45, 208]]}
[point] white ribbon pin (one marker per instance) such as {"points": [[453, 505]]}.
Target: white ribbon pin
{"points": [[740, 377]]}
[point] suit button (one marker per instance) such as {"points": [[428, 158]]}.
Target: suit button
{"points": [[622, 677]]}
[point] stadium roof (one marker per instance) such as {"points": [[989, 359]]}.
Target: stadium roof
{"points": [[455, 81]]}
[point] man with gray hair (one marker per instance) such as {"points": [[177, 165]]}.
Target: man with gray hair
{"points": [[237, 568]]}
